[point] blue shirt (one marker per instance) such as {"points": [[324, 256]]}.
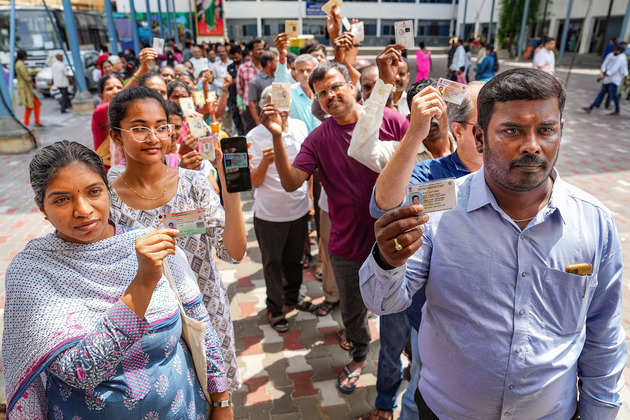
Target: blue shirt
{"points": [[301, 108], [505, 331]]}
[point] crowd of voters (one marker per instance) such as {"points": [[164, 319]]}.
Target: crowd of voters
{"points": [[116, 316]]}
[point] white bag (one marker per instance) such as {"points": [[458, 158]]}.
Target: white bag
{"points": [[193, 333]]}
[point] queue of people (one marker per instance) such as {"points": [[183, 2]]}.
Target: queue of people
{"points": [[518, 283]]}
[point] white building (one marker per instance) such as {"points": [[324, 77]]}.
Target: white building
{"points": [[434, 20], [586, 22]]}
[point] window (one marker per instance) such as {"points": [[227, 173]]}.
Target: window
{"points": [[316, 27], [272, 27], [33, 30], [240, 28], [437, 1], [387, 28], [369, 27], [428, 28]]}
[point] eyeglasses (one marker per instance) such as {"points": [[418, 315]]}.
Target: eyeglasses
{"points": [[334, 89], [141, 134]]}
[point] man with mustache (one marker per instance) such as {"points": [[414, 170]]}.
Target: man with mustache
{"points": [[523, 276], [365, 146], [348, 185]]}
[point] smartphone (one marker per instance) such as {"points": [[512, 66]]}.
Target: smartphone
{"points": [[236, 164]]}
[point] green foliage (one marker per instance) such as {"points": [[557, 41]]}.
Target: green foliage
{"points": [[510, 19]]}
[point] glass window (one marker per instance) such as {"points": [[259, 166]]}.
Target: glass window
{"points": [[239, 28], [437, 1], [316, 27], [399, 1], [33, 30], [272, 27], [433, 27], [387, 27], [369, 27]]}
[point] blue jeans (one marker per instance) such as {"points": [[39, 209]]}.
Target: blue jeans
{"points": [[611, 89], [394, 331], [409, 407]]}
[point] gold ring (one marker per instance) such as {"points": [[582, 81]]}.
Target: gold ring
{"points": [[397, 245]]}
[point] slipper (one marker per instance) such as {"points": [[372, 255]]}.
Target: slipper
{"points": [[278, 323], [325, 308], [378, 414], [349, 375], [343, 341], [305, 305]]}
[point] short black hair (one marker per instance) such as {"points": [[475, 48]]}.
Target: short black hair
{"points": [[47, 162], [236, 49], [103, 80], [118, 106], [250, 44], [104, 48], [320, 72], [416, 87], [148, 76], [266, 57], [173, 108], [176, 84], [516, 85]]}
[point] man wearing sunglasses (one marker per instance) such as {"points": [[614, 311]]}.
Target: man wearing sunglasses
{"points": [[348, 184]]}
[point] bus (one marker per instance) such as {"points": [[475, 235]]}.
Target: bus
{"points": [[35, 33]]}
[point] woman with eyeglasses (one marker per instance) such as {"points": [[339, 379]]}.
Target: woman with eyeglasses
{"points": [[92, 329], [148, 190]]}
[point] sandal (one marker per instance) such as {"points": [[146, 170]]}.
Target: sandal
{"points": [[349, 375], [278, 323], [378, 414], [325, 308], [343, 341], [305, 305]]}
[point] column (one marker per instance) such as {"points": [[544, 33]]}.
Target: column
{"points": [[258, 27], [149, 17], [565, 31], [111, 28], [73, 41], [175, 26], [169, 26], [624, 33], [587, 34], [134, 26], [159, 3], [378, 27], [522, 36]]}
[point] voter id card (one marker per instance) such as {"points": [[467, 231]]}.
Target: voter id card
{"points": [[188, 223], [404, 33], [206, 148], [358, 30], [331, 7], [281, 95], [158, 45], [196, 126], [291, 28], [451, 91], [433, 196], [188, 106], [346, 23], [198, 97]]}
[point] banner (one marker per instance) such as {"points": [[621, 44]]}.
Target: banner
{"points": [[209, 16]]}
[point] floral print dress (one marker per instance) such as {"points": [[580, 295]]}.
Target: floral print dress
{"points": [[194, 192]]}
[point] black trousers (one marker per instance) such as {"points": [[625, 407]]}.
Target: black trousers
{"points": [[65, 99], [281, 246]]}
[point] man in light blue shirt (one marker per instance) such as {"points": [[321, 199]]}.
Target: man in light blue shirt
{"points": [[508, 326], [301, 94]]}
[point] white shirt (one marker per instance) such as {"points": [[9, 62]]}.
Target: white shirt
{"points": [[271, 202], [365, 145], [323, 201], [59, 74], [199, 64], [459, 58], [546, 60], [219, 70], [402, 106], [616, 68]]}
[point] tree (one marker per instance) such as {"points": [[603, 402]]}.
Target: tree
{"points": [[510, 20]]}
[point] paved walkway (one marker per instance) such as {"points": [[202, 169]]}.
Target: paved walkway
{"points": [[292, 376]]}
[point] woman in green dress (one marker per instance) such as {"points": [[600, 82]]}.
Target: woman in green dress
{"points": [[25, 96]]}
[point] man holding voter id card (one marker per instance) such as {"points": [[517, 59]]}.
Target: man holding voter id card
{"points": [[523, 273]]}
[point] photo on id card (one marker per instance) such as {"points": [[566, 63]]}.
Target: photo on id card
{"points": [[434, 196]]}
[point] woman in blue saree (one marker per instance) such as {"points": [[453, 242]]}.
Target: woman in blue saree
{"points": [[92, 328]]}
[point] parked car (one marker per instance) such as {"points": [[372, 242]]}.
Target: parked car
{"points": [[43, 78]]}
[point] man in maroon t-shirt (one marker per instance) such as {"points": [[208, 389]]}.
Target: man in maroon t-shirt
{"points": [[348, 185]]}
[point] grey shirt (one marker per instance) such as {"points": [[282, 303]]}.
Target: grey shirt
{"points": [[257, 85]]}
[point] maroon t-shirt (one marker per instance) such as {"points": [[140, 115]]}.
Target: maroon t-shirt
{"points": [[347, 182]]}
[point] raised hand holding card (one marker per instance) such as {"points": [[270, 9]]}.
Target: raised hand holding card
{"points": [[404, 33]]}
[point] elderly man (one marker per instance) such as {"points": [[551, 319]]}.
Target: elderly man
{"points": [[280, 229], [348, 185], [523, 276], [269, 63]]}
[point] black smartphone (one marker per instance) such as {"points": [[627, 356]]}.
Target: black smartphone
{"points": [[236, 164]]}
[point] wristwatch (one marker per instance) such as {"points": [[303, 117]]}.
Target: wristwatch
{"points": [[222, 404]]}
